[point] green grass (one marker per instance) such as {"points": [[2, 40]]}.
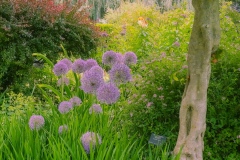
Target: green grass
{"points": [[19, 142]]}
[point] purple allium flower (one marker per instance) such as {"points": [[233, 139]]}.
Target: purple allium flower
{"points": [[60, 69], [65, 107], [119, 58], [96, 108], [79, 66], [109, 58], [90, 63], [130, 58], [91, 81], [90, 139], [97, 70], [108, 93], [36, 122], [120, 73], [67, 62], [62, 129], [62, 81], [76, 101]]}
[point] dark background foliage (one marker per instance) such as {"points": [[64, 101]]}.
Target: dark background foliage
{"points": [[41, 26]]}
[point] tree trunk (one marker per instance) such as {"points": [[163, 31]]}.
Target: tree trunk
{"points": [[204, 41]]}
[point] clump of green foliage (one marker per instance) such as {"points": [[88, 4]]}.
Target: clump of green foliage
{"points": [[162, 32], [153, 106], [18, 105], [222, 134], [41, 26]]}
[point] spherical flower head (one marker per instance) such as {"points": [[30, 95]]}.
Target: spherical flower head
{"points": [[62, 81], [76, 101], [120, 73], [109, 58], [67, 62], [65, 107], [36, 122], [91, 81], [108, 93], [79, 66], [62, 129], [90, 63], [90, 139], [60, 69], [96, 108], [97, 70], [130, 58], [119, 58]]}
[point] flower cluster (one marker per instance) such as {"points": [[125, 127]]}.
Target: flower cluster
{"points": [[110, 58], [95, 108], [62, 129], [60, 69], [65, 106], [120, 73], [94, 80], [78, 66], [108, 93], [76, 101], [63, 81], [36, 122], [90, 139], [91, 81]]}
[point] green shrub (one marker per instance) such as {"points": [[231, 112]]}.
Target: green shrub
{"points": [[40, 26], [19, 105], [153, 105], [162, 32], [222, 134]]}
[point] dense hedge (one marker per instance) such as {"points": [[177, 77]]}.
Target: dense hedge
{"points": [[41, 26]]}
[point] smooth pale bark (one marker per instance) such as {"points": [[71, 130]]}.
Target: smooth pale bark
{"points": [[204, 41]]}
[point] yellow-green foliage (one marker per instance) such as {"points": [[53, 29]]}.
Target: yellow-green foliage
{"points": [[130, 12], [18, 104], [160, 34]]}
